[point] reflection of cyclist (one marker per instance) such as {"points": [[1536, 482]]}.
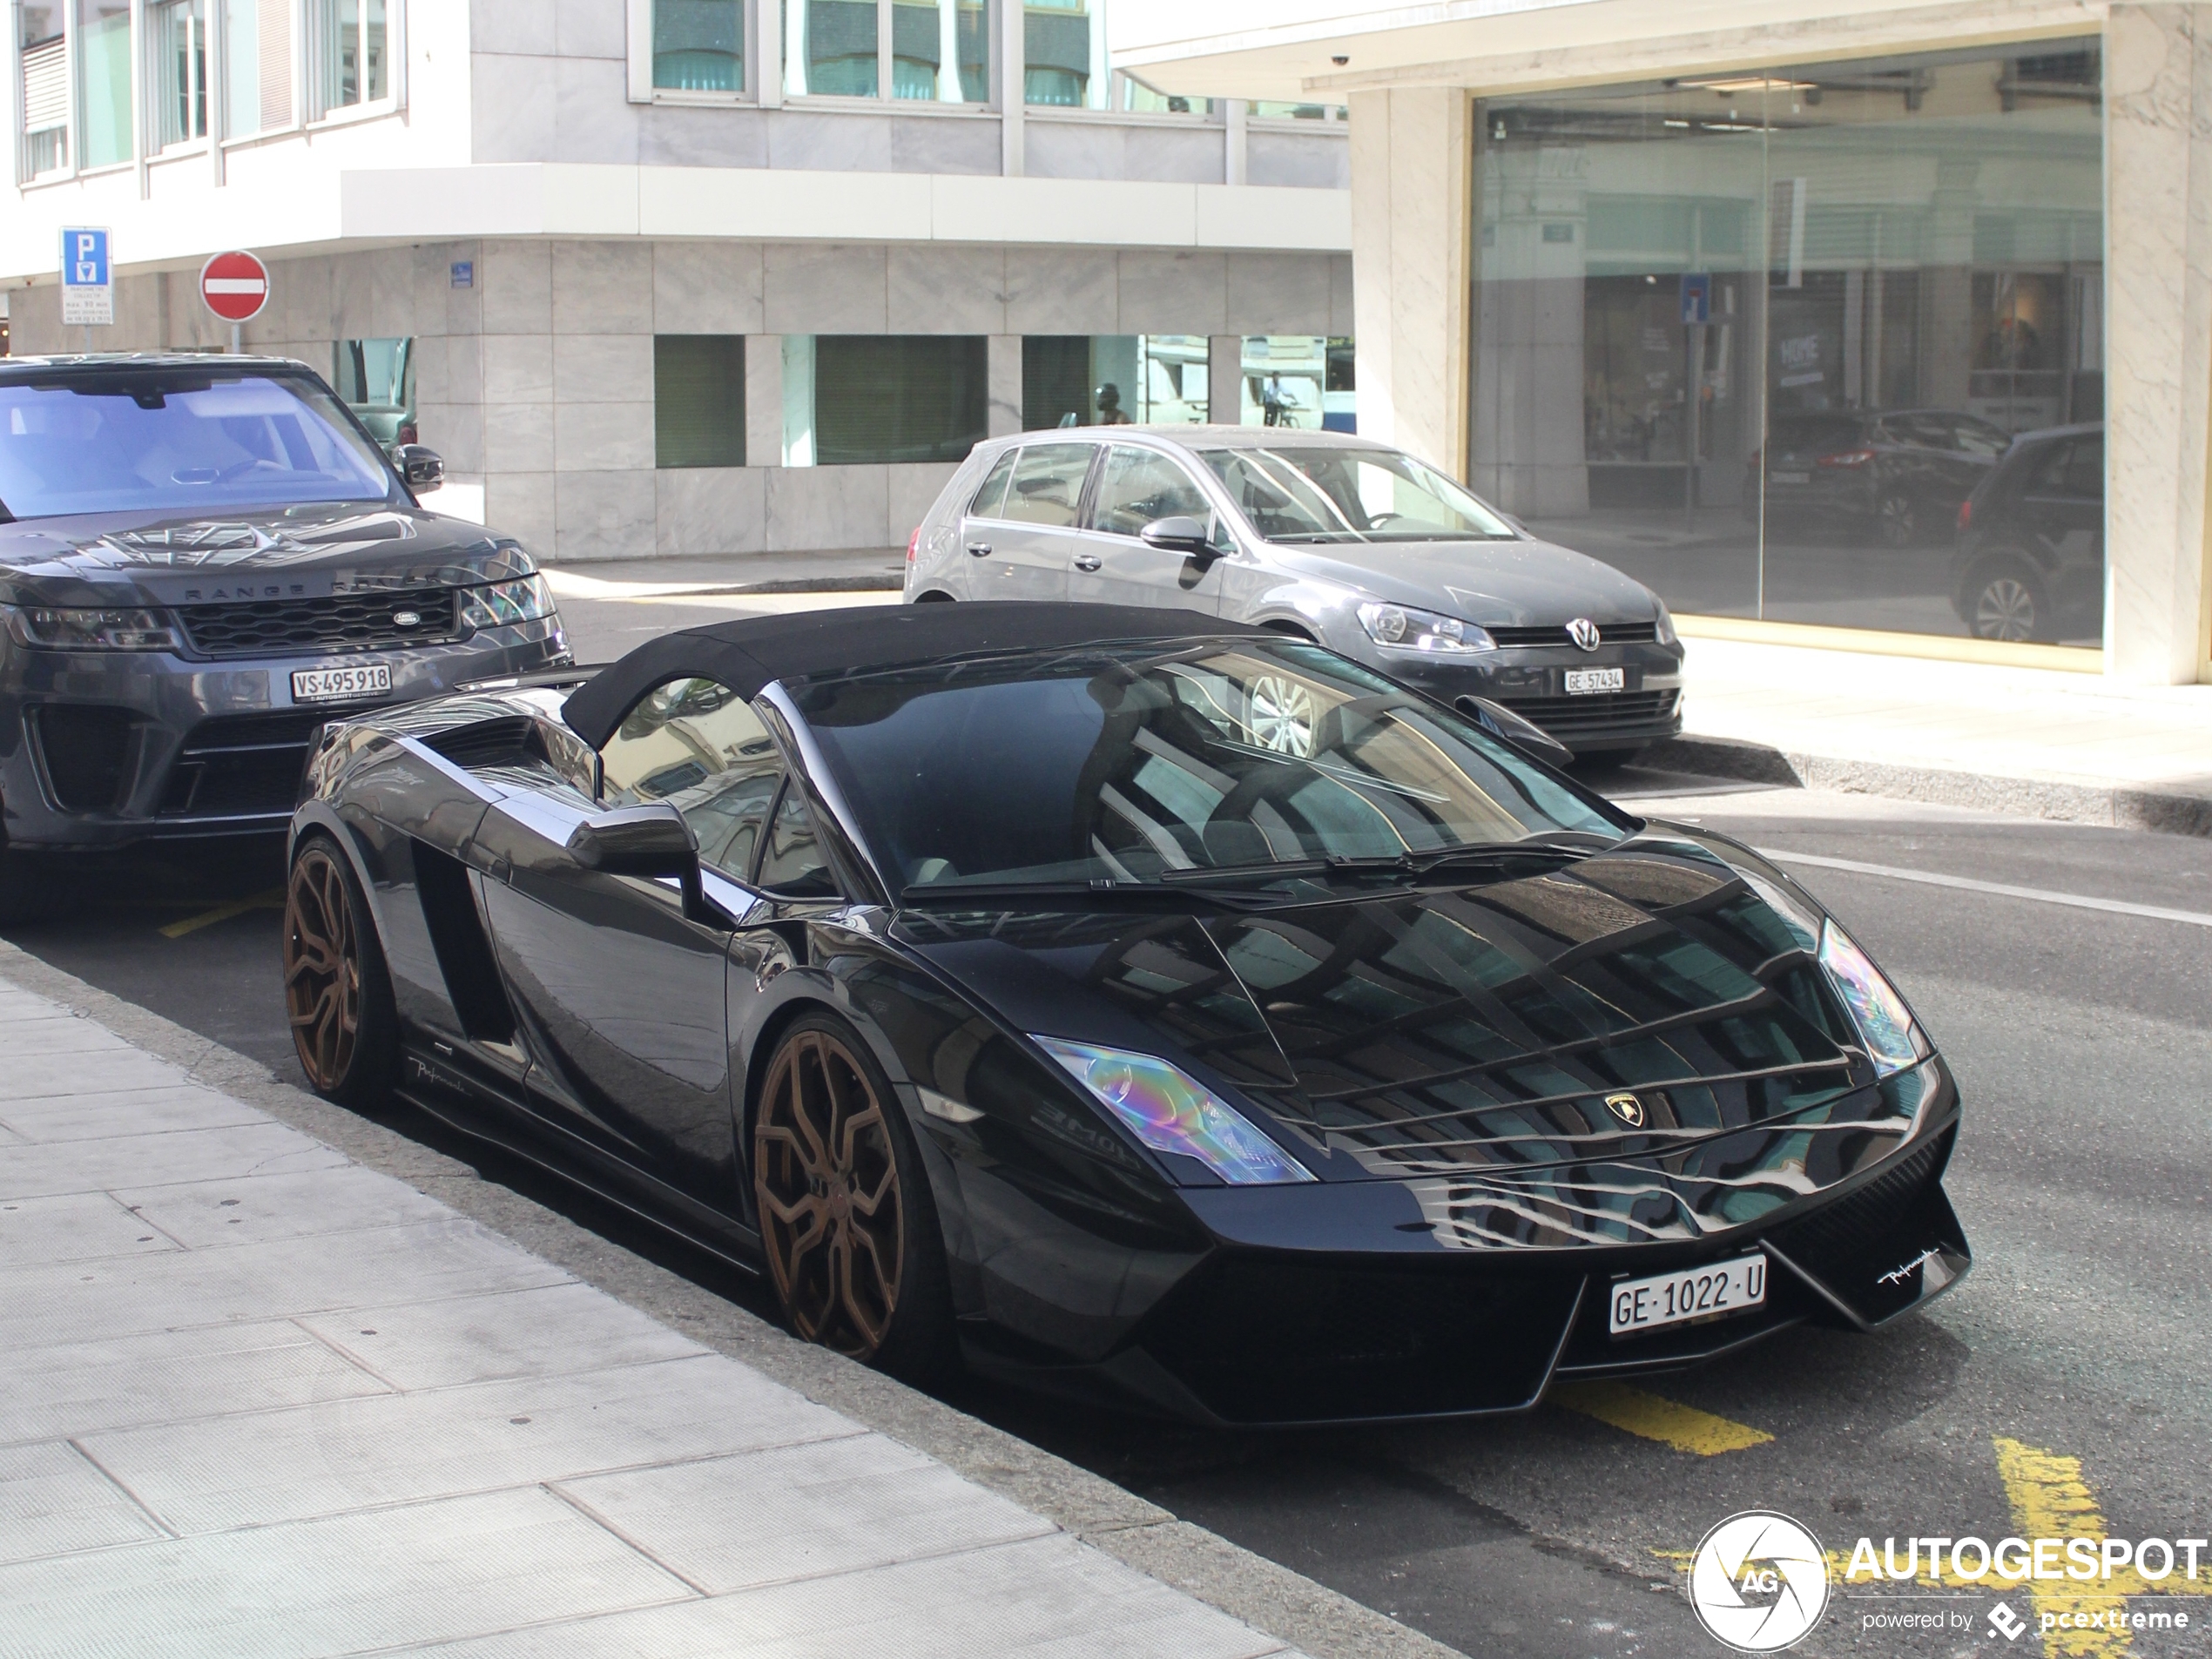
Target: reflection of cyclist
{"points": [[1109, 405], [1275, 403]]}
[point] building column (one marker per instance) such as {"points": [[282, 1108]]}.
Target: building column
{"points": [[1224, 379], [1002, 374], [2158, 365], [1413, 280], [764, 399]]}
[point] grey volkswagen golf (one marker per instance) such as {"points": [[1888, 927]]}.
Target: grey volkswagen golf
{"points": [[1346, 541], [201, 560]]}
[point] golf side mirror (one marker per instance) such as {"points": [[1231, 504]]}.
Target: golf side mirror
{"points": [[1523, 733], [422, 468], [1179, 535]]}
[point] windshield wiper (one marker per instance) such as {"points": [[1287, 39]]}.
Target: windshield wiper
{"points": [[1392, 864]]}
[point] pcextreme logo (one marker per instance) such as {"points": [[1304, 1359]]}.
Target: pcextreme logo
{"points": [[1758, 1582]]}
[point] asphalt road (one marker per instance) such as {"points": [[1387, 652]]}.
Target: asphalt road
{"points": [[2082, 1039]]}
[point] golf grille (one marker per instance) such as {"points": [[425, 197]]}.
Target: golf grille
{"points": [[342, 621], [1611, 633], [1595, 713]]}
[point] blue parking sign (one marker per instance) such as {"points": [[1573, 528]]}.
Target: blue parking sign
{"points": [[88, 291], [1697, 298]]}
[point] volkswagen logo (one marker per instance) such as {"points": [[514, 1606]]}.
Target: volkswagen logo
{"points": [[1626, 1108], [1584, 633], [407, 619]]}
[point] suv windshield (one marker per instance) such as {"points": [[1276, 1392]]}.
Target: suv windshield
{"points": [[1144, 764], [184, 440], [1310, 493]]}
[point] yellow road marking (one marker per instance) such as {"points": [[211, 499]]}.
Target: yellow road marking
{"points": [[272, 900], [2050, 1499], [1683, 1428]]}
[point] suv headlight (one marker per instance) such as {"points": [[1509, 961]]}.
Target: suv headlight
{"points": [[1172, 1111], [1893, 1041], [500, 604], [73, 630], [1403, 627]]}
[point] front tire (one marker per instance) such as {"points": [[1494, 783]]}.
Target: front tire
{"points": [[337, 993], [846, 1219]]}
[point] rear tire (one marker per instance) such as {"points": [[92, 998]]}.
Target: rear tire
{"points": [[337, 993], [846, 1219], [2009, 602]]}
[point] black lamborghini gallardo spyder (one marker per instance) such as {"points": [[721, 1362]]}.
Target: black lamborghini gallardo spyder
{"points": [[1157, 1010]]}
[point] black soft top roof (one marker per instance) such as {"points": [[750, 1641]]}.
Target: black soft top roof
{"points": [[758, 650]]}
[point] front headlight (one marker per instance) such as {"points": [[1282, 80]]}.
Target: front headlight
{"points": [[1403, 627], [1665, 625], [1170, 1111], [524, 599], [1892, 1041], [59, 629]]}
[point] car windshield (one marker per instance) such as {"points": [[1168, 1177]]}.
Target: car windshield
{"points": [[1211, 761], [1312, 493], [179, 442]]}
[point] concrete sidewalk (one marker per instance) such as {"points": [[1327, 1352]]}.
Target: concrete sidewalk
{"points": [[256, 1398], [2032, 741]]}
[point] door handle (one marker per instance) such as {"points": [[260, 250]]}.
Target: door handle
{"points": [[1087, 560], [979, 549]]}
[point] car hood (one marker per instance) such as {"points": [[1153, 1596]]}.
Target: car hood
{"points": [[1465, 1040], [1518, 583], [288, 552]]}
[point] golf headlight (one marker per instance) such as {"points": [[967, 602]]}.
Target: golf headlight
{"points": [[1892, 1041], [1172, 1112], [524, 599], [1403, 627], [1665, 627], [56, 630]]}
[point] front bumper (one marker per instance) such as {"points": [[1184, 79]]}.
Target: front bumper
{"points": [[1338, 1303], [103, 749], [1533, 683]]}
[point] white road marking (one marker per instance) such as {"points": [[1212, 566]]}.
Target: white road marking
{"points": [[2038, 895]]}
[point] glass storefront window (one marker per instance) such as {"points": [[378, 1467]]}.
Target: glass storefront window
{"points": [[699, 45], [1758, 340], [376, 379], [698, 400], [1114, 380], [855, 399]]}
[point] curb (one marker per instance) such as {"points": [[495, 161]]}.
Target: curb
{"points": [[2164, 811], [1269, 1597]]}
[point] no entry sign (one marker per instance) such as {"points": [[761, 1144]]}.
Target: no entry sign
{"points": [[235, 286]]}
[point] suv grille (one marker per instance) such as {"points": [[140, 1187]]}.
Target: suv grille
{"points": [[1560, 715], [342, 621], [1612, 633]]}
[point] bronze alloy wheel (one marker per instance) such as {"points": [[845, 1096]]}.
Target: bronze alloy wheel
{"points": [[322, 968], [827, 1184]]}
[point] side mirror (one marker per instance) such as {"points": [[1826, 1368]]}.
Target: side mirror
{"points": [[422, 468], [1179, 535], [651, 842], [1522, 732]]}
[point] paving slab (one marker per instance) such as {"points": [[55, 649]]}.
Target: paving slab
{"points": [[256, 1398]]}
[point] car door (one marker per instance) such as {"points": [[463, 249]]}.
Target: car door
{"points": [[1023, 550], [1112, 565], [620, 984], [2063, 512]]}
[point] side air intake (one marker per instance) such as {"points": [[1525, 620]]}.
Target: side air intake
{"points": [[464, 954]]}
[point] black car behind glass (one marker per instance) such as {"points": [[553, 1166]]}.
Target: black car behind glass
{"points": [[202, 559], [1900, 474], [2030, 559]]}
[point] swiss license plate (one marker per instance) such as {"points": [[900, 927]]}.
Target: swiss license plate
{"points": [[1788, 477], [1693, 1293], [1580, 680], [340, 685]]}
